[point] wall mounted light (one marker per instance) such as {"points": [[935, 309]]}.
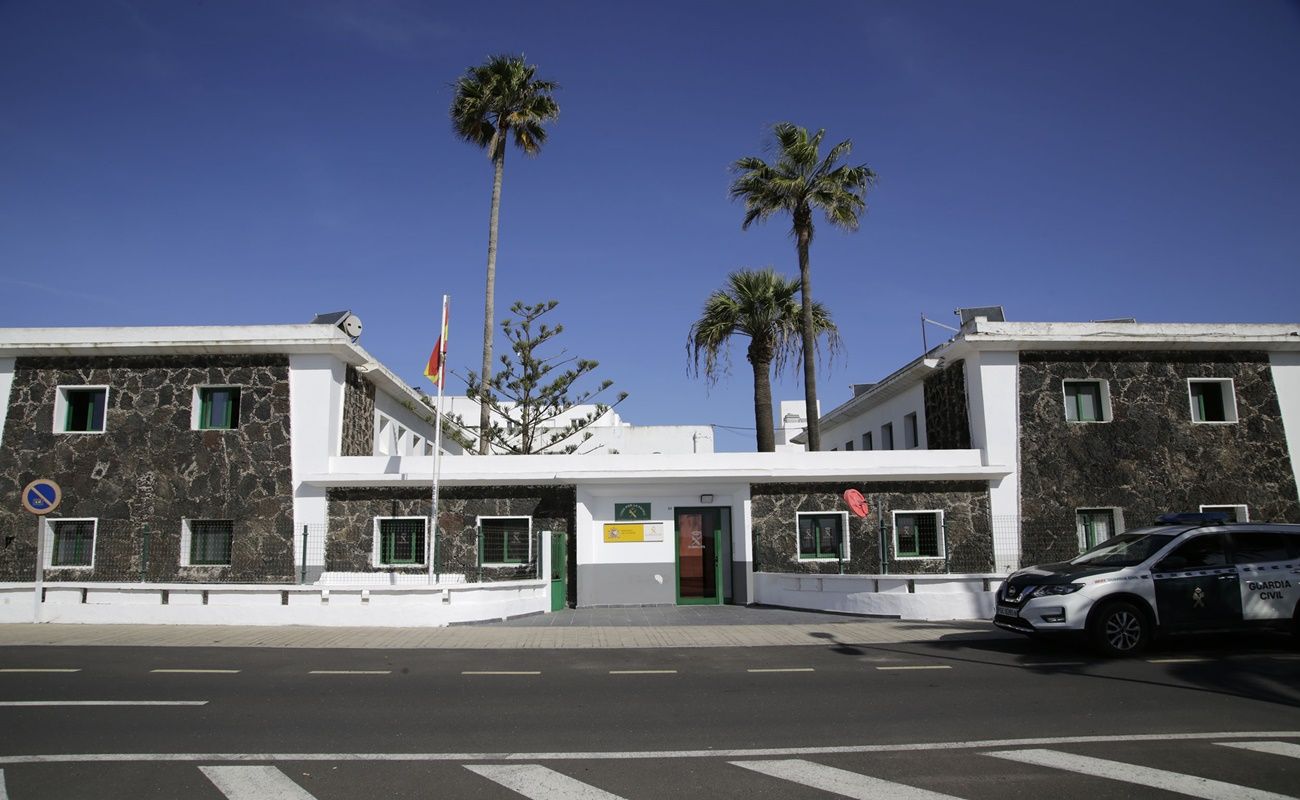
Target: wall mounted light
{"points": [[706, 498]]}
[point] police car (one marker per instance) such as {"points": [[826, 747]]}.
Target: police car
{"points": [[1190, 573]]}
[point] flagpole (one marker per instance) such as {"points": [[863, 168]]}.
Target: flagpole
{"points": [[434, 572]]}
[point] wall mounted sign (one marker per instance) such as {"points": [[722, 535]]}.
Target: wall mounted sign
{"points": [[620, 532], [41, 496], [631, 512]]}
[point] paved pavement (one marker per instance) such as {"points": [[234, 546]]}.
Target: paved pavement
{"points": [[687, 626]]}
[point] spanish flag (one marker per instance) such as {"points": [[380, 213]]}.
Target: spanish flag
{"points": [[435, 369]]}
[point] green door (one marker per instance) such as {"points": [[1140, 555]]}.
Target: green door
{"points": [[698, 537], [559, 571]]}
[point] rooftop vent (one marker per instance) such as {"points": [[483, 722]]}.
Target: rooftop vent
{"points": [[345, 321], [990, 313]]}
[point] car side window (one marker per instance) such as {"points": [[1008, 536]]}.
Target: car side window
{"points": [[1199, 553], [1255, 547]]}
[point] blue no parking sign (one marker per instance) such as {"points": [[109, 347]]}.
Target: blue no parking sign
{"points": [[42, 496]]}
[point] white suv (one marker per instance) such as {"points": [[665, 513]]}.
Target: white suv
{"points": [[1179, 578]]}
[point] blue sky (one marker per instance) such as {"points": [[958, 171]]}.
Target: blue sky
{"points": [[179, 162]]}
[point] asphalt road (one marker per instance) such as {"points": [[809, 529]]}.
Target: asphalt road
{"points": [[972, 717]]}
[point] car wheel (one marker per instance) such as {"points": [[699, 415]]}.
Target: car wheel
{"points": [[1120, 629]]}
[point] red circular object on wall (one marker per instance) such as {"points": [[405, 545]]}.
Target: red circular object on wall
{"points": [[857, 503]]}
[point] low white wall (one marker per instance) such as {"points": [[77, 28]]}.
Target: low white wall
{"points": [[912, 597], [376, 606]]}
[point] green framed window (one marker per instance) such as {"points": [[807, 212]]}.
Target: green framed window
{"points": [[83, 409], [821, 535], [506, 540], [401, 540], [918, 534], [211, 541], [1085, 401], [1095, 525], [1212, 400], [72, 543], [218, 408]]}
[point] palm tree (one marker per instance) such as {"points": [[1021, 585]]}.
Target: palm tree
{"points": [[761, 305], [493, 100], [799, 182]]}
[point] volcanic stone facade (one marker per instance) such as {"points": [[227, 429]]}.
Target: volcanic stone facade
{"points": [[358, 415], [947, 421], [968, 537], [1150, 458], [352, 513], [149, 470]]}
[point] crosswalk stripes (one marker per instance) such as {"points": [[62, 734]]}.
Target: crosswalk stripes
{"points": [[839, 781], [1177, 782], [539, 783], [1275, 748], [4, 793], [255, 783]]}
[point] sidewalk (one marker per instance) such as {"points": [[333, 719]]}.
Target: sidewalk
{"points": [[720, 626]]}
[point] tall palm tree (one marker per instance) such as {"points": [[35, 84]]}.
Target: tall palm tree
{"points": [[799, 182], [760, 305], [492, 101]]}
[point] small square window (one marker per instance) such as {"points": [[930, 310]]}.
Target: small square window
{"points": [[218, 408], [401, 541], [866, 441], [887, 436], [1230, 513], [918, 534], [1213, 400], [506, 540], [821, 535], [1095, 525], [209, 544], [71, 543], [1087, 401], [911, 437], [80, 409]]}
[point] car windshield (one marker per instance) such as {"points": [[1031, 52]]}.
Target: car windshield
{"points": [[1125, 550]]}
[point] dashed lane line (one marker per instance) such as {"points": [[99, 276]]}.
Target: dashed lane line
{"points": [[917, 666], [40, 669], [1177, 660], [839, 782], [768, 752], [1274, 748], [350, 672], [540, 783], [33, 703], [1055, 664], [643, 672], [1176, 782], [500, 672], [197, 671], [254, 783], [783, 669]]}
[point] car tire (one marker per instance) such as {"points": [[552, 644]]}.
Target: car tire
{"points": [[1119, 629]]}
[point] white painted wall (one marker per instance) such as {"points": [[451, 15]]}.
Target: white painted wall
{"points": [[6, 389], [419, 426], [911, 597], [1286, 379], [993, 391], [316, 384], [892, 411], [644, 439]]}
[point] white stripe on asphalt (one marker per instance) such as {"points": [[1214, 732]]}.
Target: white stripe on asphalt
{"points": [[199, 671], [539, 783], [4, 792], [757, 752], [1055, 664], [643, 672], [351, 672], [17, 703], [1274, 748], [1189, 785], [1176, 660], [839, 781], [36, 669], [501, 672], [918, 666], [255, 783], [783, 669]]}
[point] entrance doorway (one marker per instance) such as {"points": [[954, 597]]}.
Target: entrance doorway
{"points": [[699, 540]]}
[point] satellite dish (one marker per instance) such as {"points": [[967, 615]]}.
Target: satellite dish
{"points": [[857, 503], [345, 321]]}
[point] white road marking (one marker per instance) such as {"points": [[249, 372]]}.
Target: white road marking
{"points": [[501, 672], [765, 752], [37, 669], [21, 703], [4, 792], [839, 781], [1055, 664], [539, 783], [351, 672], [643, 672], [918, 666], [255, 783], [783, 669], [1275, 748], [1177, 782], [199, 671], [1177, 660]]}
